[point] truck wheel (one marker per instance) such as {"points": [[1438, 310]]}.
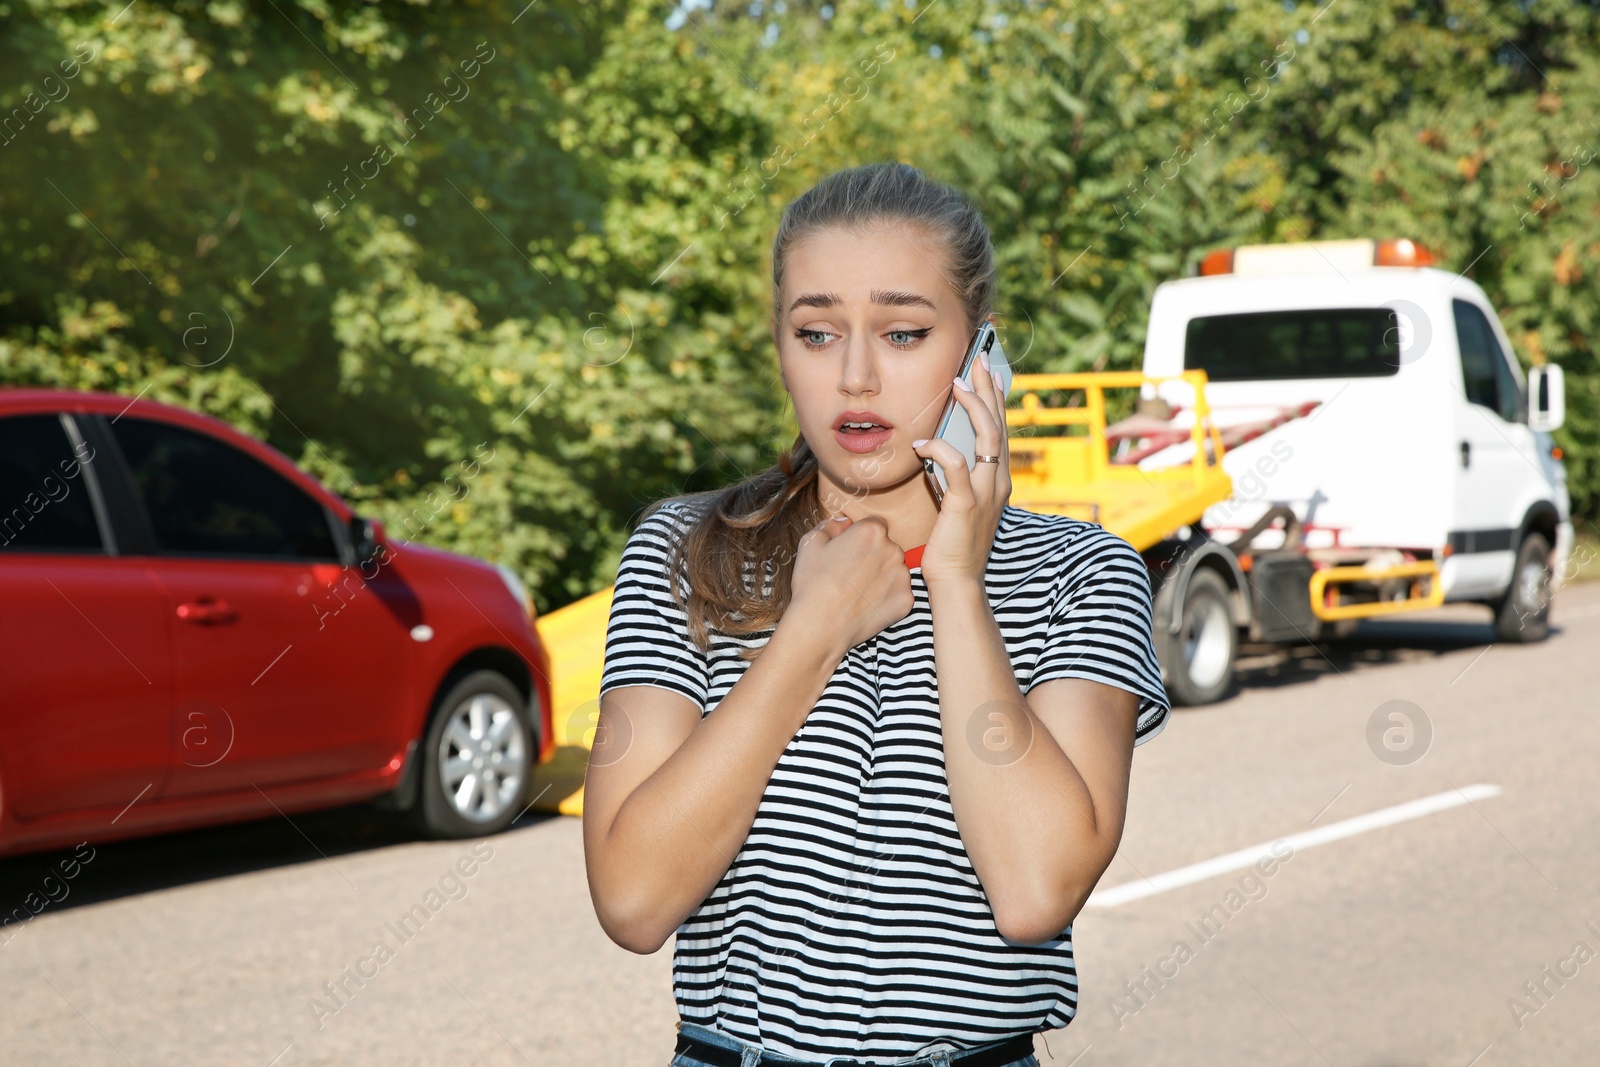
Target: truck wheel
{"points": [[476, 758], [1523, 614], [1199, 657]]}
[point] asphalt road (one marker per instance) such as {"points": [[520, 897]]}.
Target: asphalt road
{"points": [[1407, 944]]}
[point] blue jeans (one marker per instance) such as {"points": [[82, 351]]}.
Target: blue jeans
{"points": [[751, 1054]]}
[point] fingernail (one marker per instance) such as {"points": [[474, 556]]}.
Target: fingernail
{"points": [[919, 443], [841, 518], [963, 384]]}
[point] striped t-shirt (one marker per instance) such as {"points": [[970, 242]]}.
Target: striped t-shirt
{"points": [[851, 922]]}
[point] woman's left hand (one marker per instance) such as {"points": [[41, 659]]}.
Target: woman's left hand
{"points": [[958, 547]]}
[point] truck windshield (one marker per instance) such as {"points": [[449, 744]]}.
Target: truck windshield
{"points": [[1324, 343]]}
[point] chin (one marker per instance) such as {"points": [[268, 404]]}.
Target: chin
{"points": [[871, 473]]}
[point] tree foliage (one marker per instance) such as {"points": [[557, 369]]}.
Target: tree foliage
{"points": [[382, 237]]}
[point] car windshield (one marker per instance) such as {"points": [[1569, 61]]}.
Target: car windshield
{"points": [[1324, 343]]}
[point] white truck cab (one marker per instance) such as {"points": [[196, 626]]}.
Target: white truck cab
{"points": [[1427, 441]]}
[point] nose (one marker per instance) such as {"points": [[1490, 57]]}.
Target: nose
{"points": [[859, 373]]}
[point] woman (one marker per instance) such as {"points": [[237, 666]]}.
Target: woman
{"points": [[870, 798]]}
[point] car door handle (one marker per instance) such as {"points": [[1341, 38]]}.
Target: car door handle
{"points": [[207, 612], [1466, 454]]}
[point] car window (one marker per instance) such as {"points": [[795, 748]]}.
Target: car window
{"points": [[1484, 370], [207, 498], [44, 500], [1277, 345]]}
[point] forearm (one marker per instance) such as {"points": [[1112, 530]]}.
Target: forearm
{"points": [[1025, 813], [676, 835]]}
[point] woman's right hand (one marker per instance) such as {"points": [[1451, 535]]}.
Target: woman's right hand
{"points": [[850, 580]]}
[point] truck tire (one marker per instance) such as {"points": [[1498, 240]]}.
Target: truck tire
{"points": [[1522, 615], [476, 759], [1198, 659]]}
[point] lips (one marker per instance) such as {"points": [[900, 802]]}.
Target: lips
{"points": [[863, 439], [879, 423]]}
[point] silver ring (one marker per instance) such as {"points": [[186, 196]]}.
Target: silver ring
{"points": [[988, 459]]}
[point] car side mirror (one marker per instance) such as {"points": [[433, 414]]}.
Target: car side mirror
{"points": [[1547, 397], [366, 535]]}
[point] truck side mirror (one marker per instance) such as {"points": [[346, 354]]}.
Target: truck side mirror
{"points": [[1547, 397]]}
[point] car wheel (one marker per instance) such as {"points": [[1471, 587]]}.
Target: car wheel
{"points": [[1523, 613], [1199, 657], [476, 759]]}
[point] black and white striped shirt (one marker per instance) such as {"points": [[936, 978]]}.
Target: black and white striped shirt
{"points": [[851, 921]]}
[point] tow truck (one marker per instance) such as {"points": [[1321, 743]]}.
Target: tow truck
{"points": [[1326, 431]]}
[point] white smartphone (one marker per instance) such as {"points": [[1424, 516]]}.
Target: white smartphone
{"points": [[956, 426]]}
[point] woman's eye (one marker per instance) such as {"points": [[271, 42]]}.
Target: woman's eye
{"points": [[898, 338]]}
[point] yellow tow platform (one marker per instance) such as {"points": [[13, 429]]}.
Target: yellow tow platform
{"points": [[1076, 474]]}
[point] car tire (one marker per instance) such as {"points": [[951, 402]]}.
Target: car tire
{"points": [[1198, 659], [476, 759], [1522, 615]]}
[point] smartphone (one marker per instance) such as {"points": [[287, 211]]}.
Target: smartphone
{"points": [[956, 426]]}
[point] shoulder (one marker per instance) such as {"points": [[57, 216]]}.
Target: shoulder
{"points": [[1078, 549], [664, 524], [1024, 533]]}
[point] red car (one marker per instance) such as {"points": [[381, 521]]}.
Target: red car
{"points": [[194, 631]]}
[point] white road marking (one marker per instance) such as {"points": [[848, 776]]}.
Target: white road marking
{"points": [[1247, 857]]}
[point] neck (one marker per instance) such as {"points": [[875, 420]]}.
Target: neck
{"points": [[907, 508]]}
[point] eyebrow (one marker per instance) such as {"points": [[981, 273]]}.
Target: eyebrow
{"points": [[894, 298]]}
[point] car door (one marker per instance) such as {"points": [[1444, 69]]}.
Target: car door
{"points": [[85, 662], [1493, 443], [271, 689]]}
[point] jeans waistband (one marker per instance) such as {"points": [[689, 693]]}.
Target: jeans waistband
{"points": [[739, 1053]]}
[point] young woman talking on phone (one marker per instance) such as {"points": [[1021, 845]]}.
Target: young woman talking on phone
{"points": [[870, 791]]}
